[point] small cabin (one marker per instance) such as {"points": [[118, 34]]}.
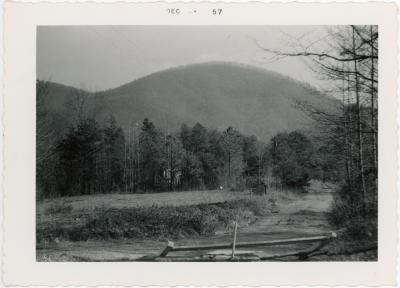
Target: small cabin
{"points": [[259, 189]]}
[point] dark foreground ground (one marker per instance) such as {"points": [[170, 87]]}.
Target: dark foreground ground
{"points": [[299, 215]]}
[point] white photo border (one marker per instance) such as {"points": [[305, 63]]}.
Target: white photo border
{"points": [[19, 247]]}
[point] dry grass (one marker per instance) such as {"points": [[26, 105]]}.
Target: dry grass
{"points": [[92, 202], [152, 222], [80, 207], [77, 211]]}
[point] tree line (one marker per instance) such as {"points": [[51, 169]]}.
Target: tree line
{"points": [[100, 157]]}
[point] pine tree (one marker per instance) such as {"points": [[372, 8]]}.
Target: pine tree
{"points": [[113, 140], [232, 144], [151, 151]]}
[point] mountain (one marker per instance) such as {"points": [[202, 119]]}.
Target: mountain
{"points": [[217, 95]]}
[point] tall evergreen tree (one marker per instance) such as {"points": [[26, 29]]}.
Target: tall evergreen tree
{"points": [[77, 158], [232, 144], [151, 152], [113, 141], [291, 157]]}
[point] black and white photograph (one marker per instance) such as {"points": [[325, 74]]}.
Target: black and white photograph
{"points": [[206, 143]]}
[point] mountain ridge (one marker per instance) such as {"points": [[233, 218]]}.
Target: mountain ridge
{"points": [[215, 94], [193, 65]]}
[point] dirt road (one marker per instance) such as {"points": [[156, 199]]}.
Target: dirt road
{"points": [[300, 217]]}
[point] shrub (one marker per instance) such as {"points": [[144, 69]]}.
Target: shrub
{"points": [[347, 214]]}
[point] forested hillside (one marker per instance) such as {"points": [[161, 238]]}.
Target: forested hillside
{"points": [[217, 95], [100, 158], [194, 127]]}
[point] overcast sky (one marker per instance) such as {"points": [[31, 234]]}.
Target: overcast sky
{"points": [[102, 57]]}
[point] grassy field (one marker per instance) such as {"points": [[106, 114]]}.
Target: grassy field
{"points": [[119, 216], [89, 203], [92, 202], [74, 210]]}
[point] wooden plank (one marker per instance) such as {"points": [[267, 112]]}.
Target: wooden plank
{"points": [[167, 249], [303, 255], [171, 248]]}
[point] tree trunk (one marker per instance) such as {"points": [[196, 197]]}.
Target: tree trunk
{"points": [[125, 169], [373, 126], [345, 133], [350, 135], [359, 127], [229, 170]]}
